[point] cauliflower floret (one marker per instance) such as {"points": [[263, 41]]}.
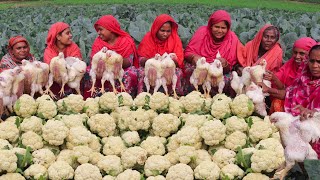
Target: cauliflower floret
{"points": [[35, 171], [87, 172], [108, 177], [54, 132], [91, 106], [142, 99], [135, 120], [264, 160], [235, 123], [4, 144], [95, 143], [208, 103], [273, 145], [82, 153], [31, 139], [32, 123], [9, 131], [189, 136], [156, 178], [124, 99], [108, 101], [159, 102], [47, 108], [25, 106], [110, 164], [236, 139], [220, 107], [213, 132], [180, 172], [232, 171], [129, 174], [193, 102], [173, 157], [207, 170], [130, 138], [103, 124], [132, 156], [165, 124], [260, 130], [43, 157], [8, 161], [276, 136], [155, 165], [194, 120], [71, 104], [113, 145], [255, 176], [11, 176], [19, 150], [175, 107], [74, 120], [186, 154], [153, 145], [68, 156], [173, 143], [95, 158], [60, 170], [223, 157], [242, 106], [78, 136], [201, 156]]}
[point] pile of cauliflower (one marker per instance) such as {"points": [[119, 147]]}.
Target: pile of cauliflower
{"points": [[153, 137]]}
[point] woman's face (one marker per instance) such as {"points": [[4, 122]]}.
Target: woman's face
{"points": [[65, 37], [104, 33], [269, 39], [219, 30], [20, 50], [314, 63], [299, 55], [164, 32]]}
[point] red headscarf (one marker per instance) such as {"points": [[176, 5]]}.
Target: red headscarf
{"points": [[13, 41], [52, 50], [124, 45], [203, 44], [290, 70], [151, 45], [248, 54]]}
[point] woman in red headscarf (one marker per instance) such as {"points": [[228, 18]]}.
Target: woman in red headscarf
{"points": [[18, 49], [208, 41], [288, 72], [162, 38], [114, 38]]}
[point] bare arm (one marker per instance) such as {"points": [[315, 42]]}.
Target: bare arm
{"points": [[277, 93], [268, 75]]}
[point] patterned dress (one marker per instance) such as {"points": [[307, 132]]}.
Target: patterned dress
{"points": [[8, 62]]}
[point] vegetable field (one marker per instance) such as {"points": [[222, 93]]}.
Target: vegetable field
{"points": [[34, 23]]}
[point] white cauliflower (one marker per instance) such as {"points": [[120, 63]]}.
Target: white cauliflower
{"points": [[11, 176], [153, 145], [173, 157], [264, 160], [54, 132], [130, 138], [9, 131], [4, 144], [47, 108], [71, 104], [124, 99], [21, 151], [78, 136], [260, 130], [165, 124], [213, 132], [113, 145], [95, 158], [235, 140], [129, 174], [87, 172], [8, 161], [235, 123], [208, 103], [242, 106], [143, 99], [108, 177], [193, 102], [232, 171], [173, 143], [220, 107], [194, 120], [186, 154], [82, 154], [136, 120], [108, 101], [156, 178], [91, 106], [207, 170], [189, 136], [25, 106], [175, 107], [95, 143], [31, 139], [224, 157], [32, 123], [155, 165], [180, 172], [73, 120], [102, 124], [201, 156], [35, 171], [60, 170], [255, 176], [110, 164], [44, 157], [273, 145], [159, 102], [132, 156], [68, 156]]}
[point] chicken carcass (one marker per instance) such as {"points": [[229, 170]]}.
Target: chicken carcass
{"points": [[258, 70], [215, 77], [199, 75], [42, 77], [98, 69], [17, 84], [254, 92], [296, 136], [30, 75], [76, 70], [169, 76], [153, 73], [7, 78], [236, 83]]}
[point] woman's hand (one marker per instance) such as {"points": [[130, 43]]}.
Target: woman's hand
{"points": [[223, 61], [265, 88], [268, 75], [305, 113]]}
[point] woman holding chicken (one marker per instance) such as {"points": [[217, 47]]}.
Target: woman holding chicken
{"points": [[162, 38]]}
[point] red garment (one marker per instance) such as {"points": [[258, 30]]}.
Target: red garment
{"points": [[248, 54], [202, 42], [124, 45], [52, 51], [151, 45], [291, 69]]}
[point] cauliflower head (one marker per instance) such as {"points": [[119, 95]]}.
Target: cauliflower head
{"points": [[25, 106], [159, 177], [47, 108], [130, 138], [165, 124], [175, 107], [153, 145], [213, 132], [223, 157], [193, 102], [71, 104], [132, 156], [60, 170], [11, 176], [260, 130], [235, 123], [35, 171], [113, 145], [264, 160], [189, 136], [220, 107], [180, 171], [87, 172], [129, 174], [273, 145], [110, 164], [32, 123], [232, 171], [186, 154], [31, 139], [9, 131], [54, 132], [159, 102], [143, 99], [103, 124], [82, 154], [4, 144], [108, 102], [44, 157], [8, 161], [254, 176], [78, 136], [242, 106], [124, 99], [207, 170], [235, 140], [155, 165], [194, 120], [91, 106]]}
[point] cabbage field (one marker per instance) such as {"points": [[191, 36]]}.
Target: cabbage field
{"points": [[34, 23]]}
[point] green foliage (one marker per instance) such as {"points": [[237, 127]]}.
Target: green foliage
{"points": [[24, 160], [312, 167], [243, 160]]}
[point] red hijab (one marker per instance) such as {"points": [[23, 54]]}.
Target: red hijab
{"points": [[291, 69], [124, 45], [151, 45], [52, 51], [203, 44], [13, 41], [248, 54]]}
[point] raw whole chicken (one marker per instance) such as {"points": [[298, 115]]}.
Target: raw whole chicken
{"points": [[215, 77], [169, 72], [254, 92], [199, 75], [98, 69], [76, 70], [153, 73]]}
